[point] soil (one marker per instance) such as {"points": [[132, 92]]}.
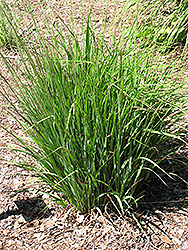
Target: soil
{"points": [[31, 221]]}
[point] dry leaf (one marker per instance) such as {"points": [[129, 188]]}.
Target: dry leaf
{"points": [[166, 240]]}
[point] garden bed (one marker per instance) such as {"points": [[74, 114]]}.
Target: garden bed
{"points": [[30, 221]]}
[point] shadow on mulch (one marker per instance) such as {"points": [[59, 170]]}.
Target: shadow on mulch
{"points": [[175, 188], [168, 192], [160, 200], [31, 209], [171, 194]]}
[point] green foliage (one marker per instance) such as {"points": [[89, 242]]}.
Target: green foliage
{"points": [[166, 23], [8, 26], [99, 114]]}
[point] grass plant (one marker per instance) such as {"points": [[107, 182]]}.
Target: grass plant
{"points": [[9, 26], [98, 113], [166, 23]]}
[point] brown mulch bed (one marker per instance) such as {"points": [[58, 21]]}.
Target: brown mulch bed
{"points": [[31, 221]]}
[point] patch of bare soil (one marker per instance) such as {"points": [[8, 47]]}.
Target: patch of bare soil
{"points": [[30, 221]]}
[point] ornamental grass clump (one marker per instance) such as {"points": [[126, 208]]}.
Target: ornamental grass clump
{"points": [[98, 114]]}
